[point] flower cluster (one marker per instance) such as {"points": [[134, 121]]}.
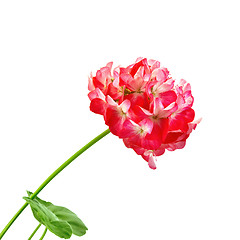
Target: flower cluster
{"points": [[142, 105]]}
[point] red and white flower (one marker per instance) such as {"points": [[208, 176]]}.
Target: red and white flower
{"points": [[142, 105]]}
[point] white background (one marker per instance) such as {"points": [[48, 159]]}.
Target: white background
{"points": [[47, 50]]}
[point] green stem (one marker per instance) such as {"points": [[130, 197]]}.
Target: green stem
{"points": [[34, 231], [44, 233], [54, 174]]}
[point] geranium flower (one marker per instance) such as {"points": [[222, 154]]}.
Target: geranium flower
{"points": [[142, 105]]}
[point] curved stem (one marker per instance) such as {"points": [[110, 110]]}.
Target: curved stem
{"points": [[44, 233], [34, 231], [54, 174]]}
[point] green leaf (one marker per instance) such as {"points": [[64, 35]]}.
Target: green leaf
{"points": [[40, 212], [59, 220], [60, 228], [65, 214]]}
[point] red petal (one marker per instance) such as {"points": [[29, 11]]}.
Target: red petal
{"points": [[168, 97], [177, 145], [98, 106], [154, 140], [151, 162], [137, 66], [129, 129], [180, 120], [172, 137], [188, 114], [114, 92]]}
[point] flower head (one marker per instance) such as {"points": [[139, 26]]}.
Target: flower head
{"points": [[142, 105]]}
